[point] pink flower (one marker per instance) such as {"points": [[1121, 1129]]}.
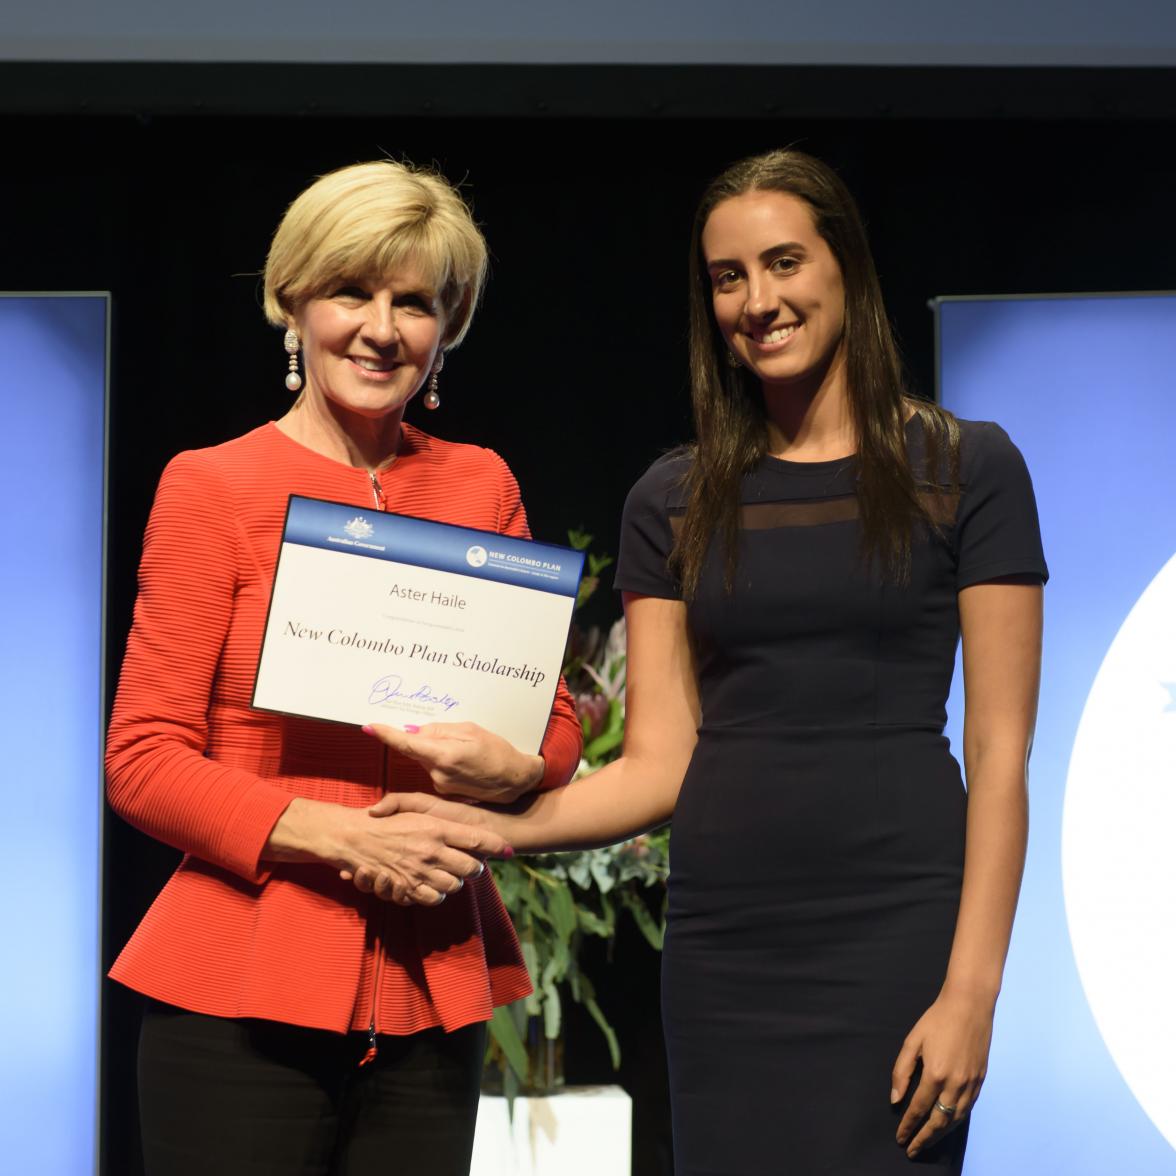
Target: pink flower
{"points": [[592, 707]]}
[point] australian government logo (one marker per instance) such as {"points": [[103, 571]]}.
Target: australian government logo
{"points": [[358, 531], [359, 528]]}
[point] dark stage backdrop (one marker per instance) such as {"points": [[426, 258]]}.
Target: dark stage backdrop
{"points": [[574, 369]]}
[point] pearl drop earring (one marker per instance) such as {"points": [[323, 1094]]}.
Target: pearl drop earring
{"points": [[292, 344], [432, 398]]}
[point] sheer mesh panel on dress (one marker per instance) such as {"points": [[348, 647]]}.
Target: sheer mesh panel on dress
{"points": [[941, 505]]}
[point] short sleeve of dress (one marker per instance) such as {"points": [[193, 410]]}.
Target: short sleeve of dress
{"points": [[997, 529], [647, 536]]}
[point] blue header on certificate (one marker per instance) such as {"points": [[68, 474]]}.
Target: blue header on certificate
{"points": [[486, 555]]}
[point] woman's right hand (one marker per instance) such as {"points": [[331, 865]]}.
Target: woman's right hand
{"points": [[406, 857]]}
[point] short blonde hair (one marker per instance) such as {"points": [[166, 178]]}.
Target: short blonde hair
{"points": [[367, 219]]}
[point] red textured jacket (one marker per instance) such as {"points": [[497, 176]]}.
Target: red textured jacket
{"points": [[189, 762]]}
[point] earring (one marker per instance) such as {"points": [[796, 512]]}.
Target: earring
{"points": [[432, 397], [292, 343], [733, 360]]}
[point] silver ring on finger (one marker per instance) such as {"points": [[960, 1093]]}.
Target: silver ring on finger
{"points": [[944, 1110]]}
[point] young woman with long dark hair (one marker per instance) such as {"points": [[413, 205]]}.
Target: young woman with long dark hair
{"points": [[796, 582]]}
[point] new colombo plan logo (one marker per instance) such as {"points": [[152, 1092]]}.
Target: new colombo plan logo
{"points": [[476, 556], [1118, 868]]}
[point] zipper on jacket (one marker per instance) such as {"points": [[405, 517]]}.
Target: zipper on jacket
{"points": [[373, 1048], [369, 1054], [377, 492]]}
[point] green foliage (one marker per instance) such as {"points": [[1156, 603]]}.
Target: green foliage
{"points": [[581, 541], [609, 740], [556, 900]]}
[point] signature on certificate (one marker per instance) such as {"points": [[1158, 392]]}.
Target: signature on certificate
{"points": [[392, 686]]}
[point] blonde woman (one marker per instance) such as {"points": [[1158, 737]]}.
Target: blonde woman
{"points": [[294, 1023]]}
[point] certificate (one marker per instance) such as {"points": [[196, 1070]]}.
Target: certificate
{"points": [[382, 618]]}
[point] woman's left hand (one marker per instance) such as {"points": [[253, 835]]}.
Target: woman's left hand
{"points": [[465, 760], [951, 1039]]}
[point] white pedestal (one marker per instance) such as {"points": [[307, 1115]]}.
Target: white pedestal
{"points": [[581, 1131]]}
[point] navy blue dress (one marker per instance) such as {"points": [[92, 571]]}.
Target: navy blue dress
{"points": [[818, 840]]}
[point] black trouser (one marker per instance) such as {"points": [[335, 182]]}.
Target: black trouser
{"points": [[221, 1097]]}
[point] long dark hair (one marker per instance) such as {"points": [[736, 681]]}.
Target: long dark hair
{"points": [[729, 419]]}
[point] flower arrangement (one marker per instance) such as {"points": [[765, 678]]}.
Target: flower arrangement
{"points": [[557, 899]]}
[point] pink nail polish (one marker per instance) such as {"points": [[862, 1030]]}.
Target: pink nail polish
{"points": [[367, 730], [508, 853], [411, 728]]}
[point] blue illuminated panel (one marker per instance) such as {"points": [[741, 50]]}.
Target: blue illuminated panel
{"points": [[1081, 1079], [52, 477]]}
